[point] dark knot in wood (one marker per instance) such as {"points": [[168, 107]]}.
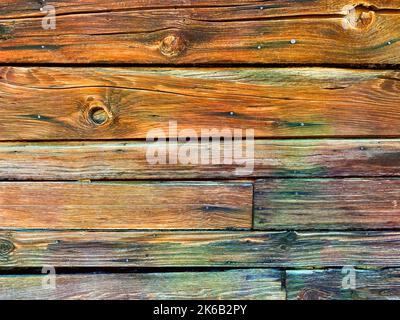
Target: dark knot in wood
{"points": [[173, 45], [6, 247]]}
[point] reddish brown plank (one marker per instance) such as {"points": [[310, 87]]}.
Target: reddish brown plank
{"points": [[280, 32], [174, 205], [103, 103], [335, 204]]}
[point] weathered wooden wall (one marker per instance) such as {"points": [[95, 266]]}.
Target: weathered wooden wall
{"points": [[318, 82]]}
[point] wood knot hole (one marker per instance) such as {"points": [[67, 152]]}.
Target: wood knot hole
{"points": [[98, 114], [173, 45], [358, 17], [6, 247]]}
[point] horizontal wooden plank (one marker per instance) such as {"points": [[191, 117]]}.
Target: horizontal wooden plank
{"points": [[317, 31], [299, 204], [185, 205], [206, 248], [250, 284], [103, 103], [333, 284], [128, 160], [237, 8]]}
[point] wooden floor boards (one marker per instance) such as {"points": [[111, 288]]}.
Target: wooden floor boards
{"points": [[309, 208]]}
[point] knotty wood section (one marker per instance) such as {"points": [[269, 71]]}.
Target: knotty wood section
{"points": [[185, 205], [327, 204], [317, 31], [127, 160], [253, 284], [106, 103], [201, 249], [378, 284]]}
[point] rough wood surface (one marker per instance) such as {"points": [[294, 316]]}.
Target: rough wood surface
{"points": [[298, 204], [250, 284], [206, 248], [127, 160], [317, 31], [379, 284], [186, 205], [59, 103]]}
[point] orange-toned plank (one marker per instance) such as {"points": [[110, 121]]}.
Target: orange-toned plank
{"points": [[103, 103], [303, 32], [174, 205]]}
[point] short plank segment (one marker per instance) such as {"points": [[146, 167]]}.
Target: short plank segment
{"points": [[307, 204], [61, 103], [249, 284], [280, 32], [127, 160], [186, 205], [333, 284], [206, 248]]}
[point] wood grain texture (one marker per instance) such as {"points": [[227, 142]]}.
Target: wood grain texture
{"points": [[299, 204], [127, 160], [200, 249], [250, 284], [183, 32], [59, 103], [327, 285], [238, 8], [186, 205]]}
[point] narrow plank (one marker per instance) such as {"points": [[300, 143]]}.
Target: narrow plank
{"points": [[237, 8], [128, 160], [129, 102], [186, 205], [301, 32], [202, 249], [380, 284], [306, 204], [250, 284]]}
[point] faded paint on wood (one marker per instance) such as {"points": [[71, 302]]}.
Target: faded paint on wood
{"points": [[249, 284], [127, 160], [298, 204], [186, 205], [274, 32], [375, 284], [101, 103], [201, 249]]}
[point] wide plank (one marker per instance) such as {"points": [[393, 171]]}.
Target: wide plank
{"points": [[26, 248], [133, 160], [335, 204], [335, 284], [105, 103], [248, 284], [301, 32], [166, 205]]}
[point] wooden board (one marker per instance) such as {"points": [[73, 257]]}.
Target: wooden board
{"points": [[61, 103], [186, 205], [238, 8], [147, 32], [299, 204], [328, 284], [127, 160], [200, 249], [248, 284]]}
